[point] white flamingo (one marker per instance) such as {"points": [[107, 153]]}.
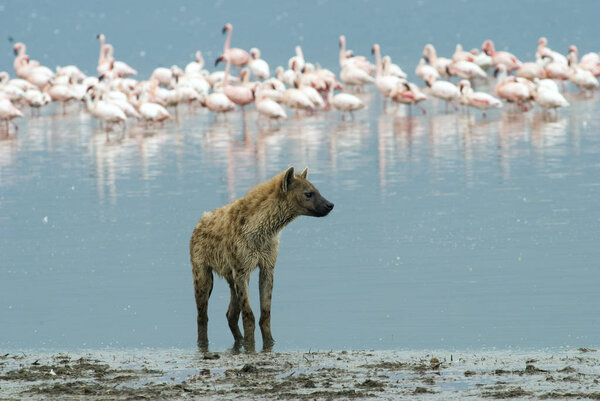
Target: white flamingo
{"points": [[258, 66], [479, 100], [8, 112]]}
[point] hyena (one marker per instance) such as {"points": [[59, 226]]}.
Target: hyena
{"points": [[237, 238]]}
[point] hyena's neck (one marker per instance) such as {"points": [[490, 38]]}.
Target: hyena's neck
{"points": [[270, 217], [268, 211]]}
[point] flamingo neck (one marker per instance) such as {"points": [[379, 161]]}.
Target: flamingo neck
{"points": [[379, 69], [342, 52], [102, 50], [228, 40], [432, 54], [109, 52]]}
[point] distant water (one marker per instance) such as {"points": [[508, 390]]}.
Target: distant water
{"points": [[449, 231]]}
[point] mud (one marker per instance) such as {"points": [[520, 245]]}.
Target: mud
{"points": [[333, 375]]}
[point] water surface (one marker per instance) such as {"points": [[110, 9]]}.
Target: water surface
{"points": [[449, 231]]}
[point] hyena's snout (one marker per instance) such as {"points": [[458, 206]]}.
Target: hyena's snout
{"points": [[324, 208]]}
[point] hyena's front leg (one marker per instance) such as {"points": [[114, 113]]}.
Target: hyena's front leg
{"points": [[233, 313], [265, 286], [243, 295]]}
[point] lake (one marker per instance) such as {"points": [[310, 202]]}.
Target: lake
{"points": [[449, 231]]}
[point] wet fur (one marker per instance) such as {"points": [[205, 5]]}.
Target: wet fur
{"points": [[237, 238]]}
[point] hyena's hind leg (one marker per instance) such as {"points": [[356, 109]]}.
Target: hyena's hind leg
{"points": [[203, 285], [233, 313]]}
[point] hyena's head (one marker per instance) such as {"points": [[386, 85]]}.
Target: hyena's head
{"points": [[303, 197]]}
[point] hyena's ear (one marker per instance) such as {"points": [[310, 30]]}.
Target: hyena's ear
{"points": [[304, 173], [288, 178]]}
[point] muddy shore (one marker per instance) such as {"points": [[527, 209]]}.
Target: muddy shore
{"points": [[333, 375]]}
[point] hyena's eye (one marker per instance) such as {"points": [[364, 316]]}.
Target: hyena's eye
{"points": [[308, 194]]}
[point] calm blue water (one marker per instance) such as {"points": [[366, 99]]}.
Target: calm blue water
{"points": [[449, 231]]}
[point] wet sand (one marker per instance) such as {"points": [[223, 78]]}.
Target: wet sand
{"points": [[332, 375]]}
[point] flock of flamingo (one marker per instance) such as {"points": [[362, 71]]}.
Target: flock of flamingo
{"points": [[113, 96]]}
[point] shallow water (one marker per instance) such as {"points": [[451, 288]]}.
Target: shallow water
{"points": [[449, 231]]}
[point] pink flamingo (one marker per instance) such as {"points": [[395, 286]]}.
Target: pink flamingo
{"points": [[511, 90], [235, 56], [20, 59], [104, 63], [408, 93], [500, 57], [240, 95]]}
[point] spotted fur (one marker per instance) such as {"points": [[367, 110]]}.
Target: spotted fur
{"points": [[237, 238]]}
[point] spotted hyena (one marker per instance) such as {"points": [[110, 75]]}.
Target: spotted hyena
{"points": [[237, 238]]}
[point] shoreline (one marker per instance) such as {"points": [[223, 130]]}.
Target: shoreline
{"points": [[351, 374]]}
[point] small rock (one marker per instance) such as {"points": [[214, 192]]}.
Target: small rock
{"points": [[248, 368]]}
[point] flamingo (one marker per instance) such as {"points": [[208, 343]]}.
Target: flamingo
{"points": [[288, 77], [240, 95], [392, 69], [217, 102], [531, 71], [108, 113], [8, 112], [462, 55], [20, 51], [269, 89], [121, 69], [426, 72], [481, 59], [500, 57], [162, 75], [479, 100], [258, 66], [60, 93], [408, 93], [589, 62], [584, 79], [269, 108], [296, 99], [512, 90], [359, 62], [384, 84], [235, 56], [549, 98], [298, 60], [153, 112], [441, 64], [311, 93], [36, 99], [544, 51], [353, 76], [444, 90], [8, 90], [345, 102], [16, 82], [70, 71], [466, 70], [104, 64], [554, 70], [196, 66]]}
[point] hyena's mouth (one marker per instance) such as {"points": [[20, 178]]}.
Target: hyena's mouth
{"points": [[325, 209]]}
